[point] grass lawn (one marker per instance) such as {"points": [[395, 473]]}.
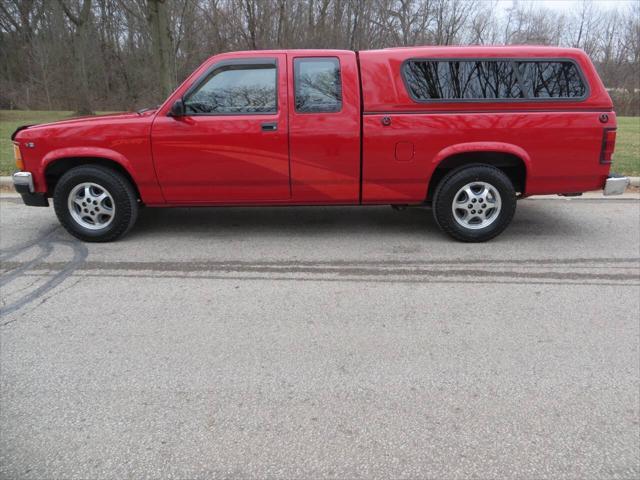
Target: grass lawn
{"points": [[626, 158], [12, 119]]}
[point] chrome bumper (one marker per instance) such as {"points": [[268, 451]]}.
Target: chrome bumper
{"points": [[615, 185], [23, 182]]}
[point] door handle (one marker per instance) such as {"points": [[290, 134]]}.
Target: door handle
{"points": [[270, 127]]}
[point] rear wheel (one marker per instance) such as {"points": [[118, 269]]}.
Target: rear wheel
{"points": [[474, 203], [95, 204]]}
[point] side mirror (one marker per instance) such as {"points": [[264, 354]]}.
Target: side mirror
{"points": [[177, 109]]}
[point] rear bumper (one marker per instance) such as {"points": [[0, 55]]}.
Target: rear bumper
{"points": [[23, 183], [615, 185]]}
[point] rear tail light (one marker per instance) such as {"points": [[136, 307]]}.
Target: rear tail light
{"points": [[608, 145]]}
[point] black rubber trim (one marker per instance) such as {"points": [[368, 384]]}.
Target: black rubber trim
{"points": [[32, 199], [583, 98], [461, 110], [234, 64], [21, 188], [361, 129], [21, 127]]}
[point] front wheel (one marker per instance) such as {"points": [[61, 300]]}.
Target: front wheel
{"points": [[474, 203], [95, 204]]}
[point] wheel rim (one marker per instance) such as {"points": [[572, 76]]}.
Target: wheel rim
{"points": [[476, 205], [91, 206]]}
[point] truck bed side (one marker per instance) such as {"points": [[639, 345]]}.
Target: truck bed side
{"points": [[558, 143]]}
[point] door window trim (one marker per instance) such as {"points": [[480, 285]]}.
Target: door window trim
{"points": [[233, 64], [513, 61]]}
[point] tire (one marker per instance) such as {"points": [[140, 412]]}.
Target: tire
{"points": [[104, 212], [485, 202]]}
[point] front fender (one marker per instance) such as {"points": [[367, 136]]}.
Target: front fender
{"points": [[86, 152]]}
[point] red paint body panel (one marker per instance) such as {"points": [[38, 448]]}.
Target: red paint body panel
{"points": [[316, 158], [383, 89], [224, 158], [325, 147], [560, 150], [121, 138], [559, 141]]}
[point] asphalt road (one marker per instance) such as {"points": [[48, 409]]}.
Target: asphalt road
{"points": [[322, 342]]}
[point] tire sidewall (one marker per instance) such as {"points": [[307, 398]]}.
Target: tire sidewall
{"points": [[450, 186], [107, 180]]}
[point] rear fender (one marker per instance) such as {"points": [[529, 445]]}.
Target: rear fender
{"points": [[482, 147]]}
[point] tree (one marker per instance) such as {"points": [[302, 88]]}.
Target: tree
{"points": [[80, 19], [161, 44], [115, 54]]}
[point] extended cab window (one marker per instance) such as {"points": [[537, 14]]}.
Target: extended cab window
{"points": [[552, 80], [491, 79], [461, 80], [237, 89], [318, 88]]}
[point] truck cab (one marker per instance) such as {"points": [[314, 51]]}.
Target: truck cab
{"points": [[464, 130], [284, 127]]}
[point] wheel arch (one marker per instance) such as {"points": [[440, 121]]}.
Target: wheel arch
{"points": [[58, 163], [511, 159]]}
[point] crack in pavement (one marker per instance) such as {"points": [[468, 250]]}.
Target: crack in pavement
{"points": [[424, 280], [625, 270], [621, 271]]}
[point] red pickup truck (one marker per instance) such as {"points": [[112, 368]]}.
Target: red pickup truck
{"points": [[465, 130]]}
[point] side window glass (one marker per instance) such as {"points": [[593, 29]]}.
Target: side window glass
{"points": [[452, 80], [552, 80], [428, 80], [318, 86], [493, 79], [242, 89]]}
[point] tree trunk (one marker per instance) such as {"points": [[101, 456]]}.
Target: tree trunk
{"points": [[83, 98], [161, 44], [80, 39]]}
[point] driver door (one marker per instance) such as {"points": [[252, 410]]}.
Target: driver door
{"points": [[231, 145]]}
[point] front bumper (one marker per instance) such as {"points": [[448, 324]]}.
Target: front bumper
{"points": [[23, 183], [615, 185]]}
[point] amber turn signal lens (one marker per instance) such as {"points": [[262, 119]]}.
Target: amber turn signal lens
{"points": [[18, 157]]}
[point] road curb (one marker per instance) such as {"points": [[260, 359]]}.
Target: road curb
{"points": [[6, 184]]}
